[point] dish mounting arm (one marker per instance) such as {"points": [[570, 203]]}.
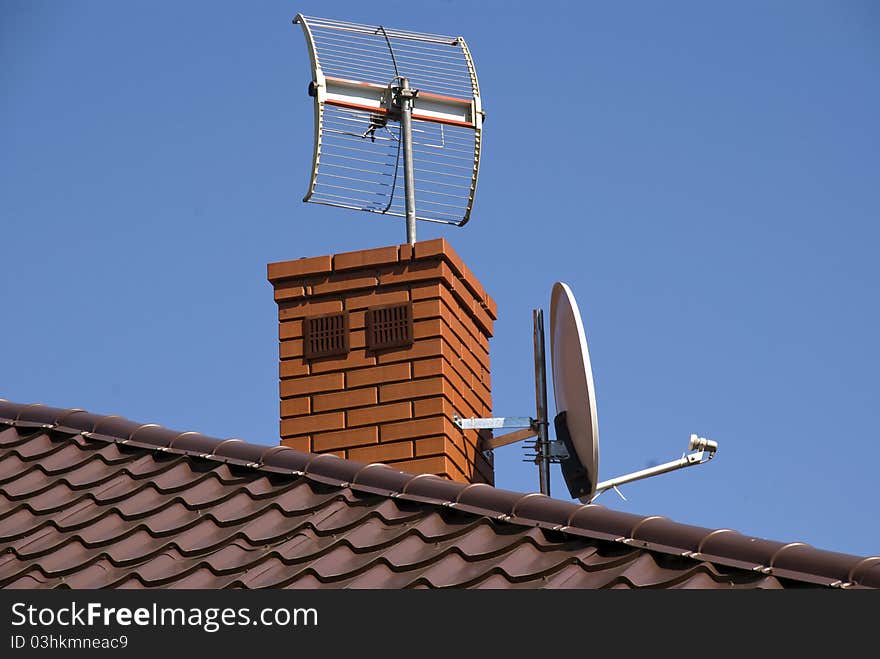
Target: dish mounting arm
{"points": [[702, 450]]}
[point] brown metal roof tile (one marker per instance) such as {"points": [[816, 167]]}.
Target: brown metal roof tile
{"points": [[288, 460], [10, 436], [540, 507], [9, 410], [381, 479], [238, 450], [609, 522], [38, 413], [480, 496], [110, 510], [663, 531], [79, 420], [755, 551], [38, 444], [11, 466], [115, 426], [153, 435], [430, 487], [802, 559], [329, 468], [133, 547]]}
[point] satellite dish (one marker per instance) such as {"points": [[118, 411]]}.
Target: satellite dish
{"points": [[393, 108], [576, 421], [576, 447]]}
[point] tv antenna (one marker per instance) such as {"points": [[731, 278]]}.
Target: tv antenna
{"points": [[576, 447], [390, 105]]}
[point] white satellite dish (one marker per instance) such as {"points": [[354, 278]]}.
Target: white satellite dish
{"points": [[576, 447], [576, 421]]}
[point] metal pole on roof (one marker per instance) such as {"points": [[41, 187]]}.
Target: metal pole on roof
{"points": [[406, 105], [543, 443]]}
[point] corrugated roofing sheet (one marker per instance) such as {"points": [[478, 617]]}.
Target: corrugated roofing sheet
{"points": [[90, 501]]}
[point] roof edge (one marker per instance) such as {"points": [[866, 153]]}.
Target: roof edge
{"points": [[796, 561]]}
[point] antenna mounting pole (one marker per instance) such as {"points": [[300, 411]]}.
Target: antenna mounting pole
{"points": [[406, 96], [543, 443]]}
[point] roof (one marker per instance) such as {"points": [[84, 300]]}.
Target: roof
{"points": [[90, 501]]}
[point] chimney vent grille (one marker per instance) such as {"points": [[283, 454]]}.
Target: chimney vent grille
{"points": [[325, 336], [390, 326]]}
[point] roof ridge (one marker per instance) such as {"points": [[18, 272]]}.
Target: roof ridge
{"points": [[794, 560]]}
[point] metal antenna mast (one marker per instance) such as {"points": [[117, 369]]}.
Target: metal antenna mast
{"points": [[407, 96]]}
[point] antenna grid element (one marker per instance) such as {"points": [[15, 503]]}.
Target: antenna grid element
{"points": [[388, 101]]}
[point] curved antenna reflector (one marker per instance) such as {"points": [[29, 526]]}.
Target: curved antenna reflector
{"points": [[357, 161], [576, 422]]}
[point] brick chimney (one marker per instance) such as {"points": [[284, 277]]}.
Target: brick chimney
{"points": [[379, 350]]}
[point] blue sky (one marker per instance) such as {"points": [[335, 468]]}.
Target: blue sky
{"points": [[704, 176]]}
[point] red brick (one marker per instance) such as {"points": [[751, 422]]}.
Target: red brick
{"points": [[354, 359], [461, 307], [345, 282], [405, 252], [436, 406], [312, 384], [435, 425], [299, 267], [427, 309], [426, 368], [357, 320], [345, 439], [291, 349], [291, 329], [378, 414], [474, 365], [482, 296], [460, 320], [439, 465], [482, 318], [475, 394], [466, 409], [440, 247], [365, 258], [431, 445], [466, 332], [426, 291], [313, 423], [418, 350], [289, 291], [377, 374], [297, 309], [428, 328], [417, 271], [441, 445], [466, 306], [357, 339], [303, 444], [382, 452], [376, 299], [415, 389], [296, 406], [345, 400], [291, 368]]}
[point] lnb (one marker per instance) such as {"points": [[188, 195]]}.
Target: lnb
{"points": [[702, 444]]}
